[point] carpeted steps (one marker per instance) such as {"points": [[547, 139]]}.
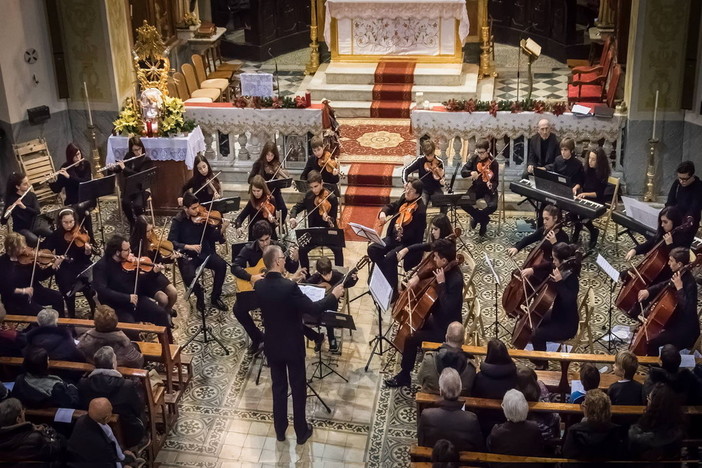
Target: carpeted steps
{"points": [[392, 92], [369, 187]]}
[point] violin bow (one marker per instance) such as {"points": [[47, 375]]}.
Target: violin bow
{"points": [[209, 182], [151, 208], [80, 226], [316, 206], [204, 227], [160, 239], [34, 266], [280, 166], [251, 219], [138, 265]]}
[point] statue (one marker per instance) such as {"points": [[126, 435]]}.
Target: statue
{"points": [[151, 100]]}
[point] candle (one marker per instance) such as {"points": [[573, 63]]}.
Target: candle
{"points": [[87, 101], [655, 111]]}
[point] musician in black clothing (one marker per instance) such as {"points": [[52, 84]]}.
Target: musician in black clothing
{"points": [[135, 204], [115, 286], [432, 180], [669, 220], [446, 310], [329, 175], [199, 182], [19, 294], [593, 188], [683, 327], [255, 208], [26, 213], [78, 259], [440, 229], [686, 195], [197, 240], [316, 216], [399, 234], [483, 169], [75, 170], [282, 305], [268, 165], [250, 256], [543, 148], [567, 165], [561, 323]]}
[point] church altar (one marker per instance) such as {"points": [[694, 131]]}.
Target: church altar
{"points": [[419, 30]]}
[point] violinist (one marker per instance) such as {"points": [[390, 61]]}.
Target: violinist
{"points": [[324, 163], [683, 327], [430, 170], [159, 287], [597, 172], [69, 239], [686, 194], [74, 170], [135, 204], [446, 310], [197, 240], [561, 323], [483, 169], [321, 207], [261, 205], [26, 212], [20, 288], [115, 278], [202, 174], [408, 221], [267, 166]]}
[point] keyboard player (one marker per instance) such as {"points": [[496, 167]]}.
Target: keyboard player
{"points": [[593, 188]]}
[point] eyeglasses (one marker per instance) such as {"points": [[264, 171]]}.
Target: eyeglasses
{"points": [[684, 179]]}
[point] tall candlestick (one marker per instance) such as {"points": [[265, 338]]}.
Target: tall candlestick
{"points": [[655, 112], [87, 101]]}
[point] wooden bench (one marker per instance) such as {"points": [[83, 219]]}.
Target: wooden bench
{"points": [[48, 415], [163, 351], [552, 379]]}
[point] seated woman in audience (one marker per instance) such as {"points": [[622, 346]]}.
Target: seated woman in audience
{"points": [[36, 388], [56, 340], [683, 382], [444, 455], [534, 390], [517, 436], [497, 374], [106, 333], [626, 391], [658, 434], [596, 438], [590, 379]]}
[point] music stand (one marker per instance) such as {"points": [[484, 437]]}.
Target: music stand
{"points": [[224, 205], [204, 328], [301, 186], [372, 237], [280, 183], [613, 275], [381, 292], [139, 182], [497, 310], [532, 51], [94, 189], [329, 318]]}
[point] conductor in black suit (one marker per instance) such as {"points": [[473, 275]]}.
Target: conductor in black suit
{"points": [[543, 148], [282, 304]]}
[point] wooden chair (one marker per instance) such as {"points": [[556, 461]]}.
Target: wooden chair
{"points": [[35, 160], [222, 84], [585, 311], [194, 89], [582, 63], [211, 74], [602, 88], [182, 90], [214, 55], [609, 53]]}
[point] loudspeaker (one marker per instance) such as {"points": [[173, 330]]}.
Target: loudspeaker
{"points": [[38, 115]]}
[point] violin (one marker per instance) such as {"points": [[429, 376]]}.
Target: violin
{"points": [[163, 247], [78, 236], [436, 169], [44, 258], [329, 163], [485, 171], [265, 206], [212, 217], [143, 263], [404, 217], [324, 206]]}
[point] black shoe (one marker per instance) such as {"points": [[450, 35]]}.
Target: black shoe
{"points": [[399, 380], [333, 347], [318, 342], [593, 238], [218, 303], [483, 229], [280, 438], [173, 313], [255, 347], [304, 438], [473, 223]]}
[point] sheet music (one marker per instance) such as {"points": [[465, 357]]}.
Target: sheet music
{"points": [[315, 293], [380, 289], [607, 268], [577, 386], [492, 269], [641, 212], [367, 233], [64, 415]]}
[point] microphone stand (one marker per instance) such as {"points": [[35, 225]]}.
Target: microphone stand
{"points": [[277, 78], [519, 56]]}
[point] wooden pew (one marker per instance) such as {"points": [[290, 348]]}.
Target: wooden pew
{"points": [[47, 415], [163, 351]]}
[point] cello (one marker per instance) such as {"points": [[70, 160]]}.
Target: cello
{"points": [[641, 276], [659, 311], [414, 303]]}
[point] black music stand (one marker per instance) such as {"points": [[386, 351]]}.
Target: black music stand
{"points": [[94, 189], [453, 201], [280, 183], [323, 236], [207, 334], [613, 275], [224, 205], [329, 318], [496, 277], [373, 238], [139, 182], [381, 292]]}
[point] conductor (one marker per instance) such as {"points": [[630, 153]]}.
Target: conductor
{"points": [[282, 304]]}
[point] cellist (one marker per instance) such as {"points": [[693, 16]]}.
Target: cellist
{"points": [[669, 218], [445, 310], [683, 327]]}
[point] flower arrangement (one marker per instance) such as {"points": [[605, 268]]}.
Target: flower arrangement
{"points": [[129, 120], [285, 102], [526, 105], [189, 19], [172, 120]]}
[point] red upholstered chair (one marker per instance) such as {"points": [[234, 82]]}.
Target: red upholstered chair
{"points": [[613, 85], [601, 89], [579, 63], [590, 73]]}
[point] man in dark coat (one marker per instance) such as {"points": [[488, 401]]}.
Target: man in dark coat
{"points": [[686, 195], [36, 388], [543, 148], [57, 341], [449, 354], [282, 305], [449, 421], [682, 381], [21, 440]]}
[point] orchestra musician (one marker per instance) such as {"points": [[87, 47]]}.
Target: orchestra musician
{"points": [[324, 163], [203, 181], [20, 288], [71, 240], [567, 165], [267, 166], [192, 234], [593, 188], [543, 148], [446, 310], [261, 206], [321, 207], [430, 170], [26, 212], [483, 169], [683, 327], [408, 221], [135, 204], [669, 219], [440, 229], [250, 257], [686, 194], [115, 278]]}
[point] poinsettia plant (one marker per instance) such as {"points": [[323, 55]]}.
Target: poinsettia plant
{"points": [[275, 102], [493, 107]]}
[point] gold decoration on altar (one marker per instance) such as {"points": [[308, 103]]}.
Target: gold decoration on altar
{"points": [[313, 64], [487, 56], [151, 61]]}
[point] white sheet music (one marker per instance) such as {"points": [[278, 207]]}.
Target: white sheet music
{"points": [[367, 233], [492, 269], [607, 268], [315, 293], [641, 212], [64, 415], [380, 289]]}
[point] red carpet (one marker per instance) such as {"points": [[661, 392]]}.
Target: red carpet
{"points": [[368, 189], [392, 93]]}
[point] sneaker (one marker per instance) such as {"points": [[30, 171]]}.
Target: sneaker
{"points": [[218, 303], [400, 380], [318, 342]]}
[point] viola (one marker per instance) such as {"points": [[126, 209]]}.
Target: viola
{"points": [[163, 247], [324, 206]]}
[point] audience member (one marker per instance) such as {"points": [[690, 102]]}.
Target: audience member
{"points": [[106, 333], [659, 433], [448, 420], [22, 441], [595, 438], [57, 341], [11, 341], [36, 388], [444, 455], [590, 379], [497, 374], [626, 391], [535, 390], [93, 443], [106, 381], [517, 436], [681, 381], [449, 354]]}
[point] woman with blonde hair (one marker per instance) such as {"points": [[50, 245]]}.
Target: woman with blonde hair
{"points": [[106, 333]]}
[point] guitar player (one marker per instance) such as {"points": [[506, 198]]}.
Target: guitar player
{"points": [[248, 268]]}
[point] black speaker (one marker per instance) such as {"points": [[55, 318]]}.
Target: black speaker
{"points": [[38, 115]]}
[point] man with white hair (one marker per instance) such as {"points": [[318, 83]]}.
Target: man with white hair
{"points": [[517, 436], [448, 420], [543, 148], [57, 341], [449, 354]]}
